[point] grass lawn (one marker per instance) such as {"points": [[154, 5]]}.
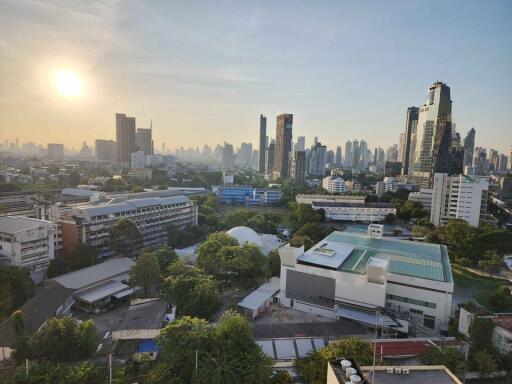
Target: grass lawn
{"points": [[478, 287], [284, 213]]}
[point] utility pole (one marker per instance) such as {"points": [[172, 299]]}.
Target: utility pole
{"points": [[110, 368], [26, 367]]}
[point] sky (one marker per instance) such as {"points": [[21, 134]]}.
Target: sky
{"points": [[204, 71]]}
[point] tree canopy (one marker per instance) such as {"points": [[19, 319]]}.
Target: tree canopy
{"points": [[16, 287], [146, 274], [125, 238]]}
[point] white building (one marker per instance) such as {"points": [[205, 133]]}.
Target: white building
{"points": [[308, 199], [424, 196], [365, 212], [138, 159], [334, 184], [459, 197], [354, 276], [27, 243]]}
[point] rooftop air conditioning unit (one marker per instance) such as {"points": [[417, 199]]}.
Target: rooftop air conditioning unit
{"points": [[398, 370], [390, 370], [405, 371]]}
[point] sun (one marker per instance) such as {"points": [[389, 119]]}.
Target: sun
{"points": [[68, 83]]}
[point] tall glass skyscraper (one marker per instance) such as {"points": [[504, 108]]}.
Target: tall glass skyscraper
{"points": [[411, 122], [283, 145], [263, 143], [434, 151], [469, 147]]}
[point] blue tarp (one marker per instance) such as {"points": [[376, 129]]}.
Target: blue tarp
{"points": [[148, 345]]}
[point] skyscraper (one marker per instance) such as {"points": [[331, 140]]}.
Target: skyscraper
{"points": [[269, 158], [144, 140], [356, 154], [298, 166], [317, 159], [434, 137], [411, 123], [469, 147], [263, 143], [283, 145], [339, 158], [125, 137], [55, 151], [349, 155], [228, 156]]}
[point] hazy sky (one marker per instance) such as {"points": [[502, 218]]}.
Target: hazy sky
{"points": [[205, 70]]}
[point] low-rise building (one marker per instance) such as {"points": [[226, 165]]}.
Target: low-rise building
{"points": [[356, 276], [140, 173], [259, 301], [459, 197], [247, 195], [423, 196], [364, 212], [309, 198], [333, 184], [27, 243], [91, 224]]}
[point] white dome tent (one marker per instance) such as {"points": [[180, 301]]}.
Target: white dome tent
{"points": [[245, 235]]}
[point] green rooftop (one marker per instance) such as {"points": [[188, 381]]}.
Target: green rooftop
{"points": [[409, 258]]}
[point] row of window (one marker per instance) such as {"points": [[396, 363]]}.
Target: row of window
{"points": [[411, 301]]}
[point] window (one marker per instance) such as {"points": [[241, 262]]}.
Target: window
{"points": [[429, 321]]}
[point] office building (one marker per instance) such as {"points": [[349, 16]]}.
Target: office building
{"points": [[228, 156], [339, 157], [411, 123], [349, 156], [269, 158], [27, 243], [469, 147], [263, 143], [55, 151], [423, 196], [247, 195], [298, 166], [245, 155], [480, 163], [140, 173], [334, 184], [355, 211], [310, 198], [300, 145], [105, 150], [434, 150], [144, 140], [283, 146], [353, 276], [138, 159], [459, 197], [125, 137], [90, 224], [317, 157], [503, 163]]}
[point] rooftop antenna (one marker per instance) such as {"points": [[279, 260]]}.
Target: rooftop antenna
{"points": [[151, 123]]}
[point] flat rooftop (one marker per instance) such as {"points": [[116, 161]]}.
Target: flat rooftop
{"points": [[356, 204], [352, 252], [148, 315], [417, 374]]}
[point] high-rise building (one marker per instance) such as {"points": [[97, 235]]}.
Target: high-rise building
{"points": [[263, 143], [339, 157], [138, 160], [125, 137], [356, 154], [329, 157], [392, 153], [300, 145], [245, 154], [503, 164], [283, 145], [298, 166], [480, 166], [435, 152], [349, 156], [105, 150], [228, 156], [469, 147], [459, 197], [409, 141], [317, 159], [363, 154], [144, 140], [55, 151], [270, 154]]}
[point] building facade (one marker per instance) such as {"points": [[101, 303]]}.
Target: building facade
{"points": [[459, 197], [91, 224], [411, 123], [27, 243], [263, 143], [144, 140], [298, 167], [105, 150], [355, 212], [125, 137], [283, 146], [333, 184], [55, 151], [247, 195], [352, 275]]}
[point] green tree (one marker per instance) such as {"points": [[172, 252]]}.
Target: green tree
{"points": [[16, 287], [5, 300], [306, 214], [125, 238], [191, 290], [86, 373], [390, 218], [316, 232], [480, 334], [450, 357], [146, 274], [165, 256], [274, 263], [281, 377], [485, 362], [313, 368]]}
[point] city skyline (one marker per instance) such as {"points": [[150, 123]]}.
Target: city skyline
{"points": [[331, 81]]}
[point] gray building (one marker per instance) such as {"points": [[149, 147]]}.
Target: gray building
{"points": [[469, 147], [144, 140], [298, 166], [317, 159], [411, 123], [105, 150], [55, 151], [263, 143]]}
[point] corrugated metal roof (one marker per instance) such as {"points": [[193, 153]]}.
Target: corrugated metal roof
{"points": [[97, 273], [130, 205], [256, 298], [14, 224], [101, 292]]}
